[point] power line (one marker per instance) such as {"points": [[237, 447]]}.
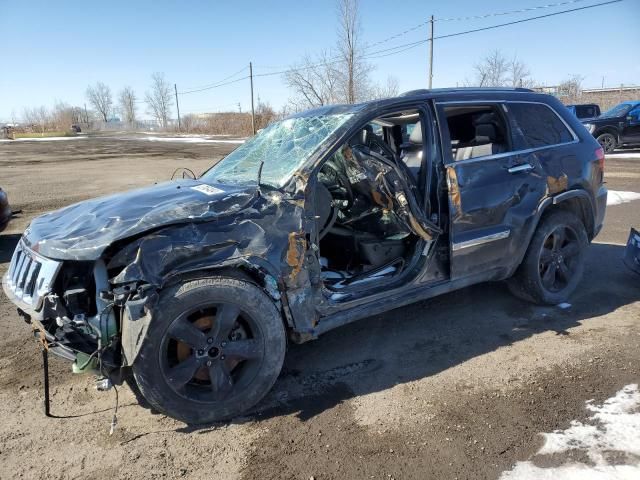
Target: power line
{"points": [[407, 46], [473, 17], [215, 85], [510, 12], [526, 19], [219, 81]]}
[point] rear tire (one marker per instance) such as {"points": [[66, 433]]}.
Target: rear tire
{"points": [[214, 348], [608, 142], [554, 262]]}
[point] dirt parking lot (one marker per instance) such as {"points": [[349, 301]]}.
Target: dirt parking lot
{"points": [[460, 386]]}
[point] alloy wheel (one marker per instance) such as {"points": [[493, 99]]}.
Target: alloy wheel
{"points": [[211, 353], [559, 258]]}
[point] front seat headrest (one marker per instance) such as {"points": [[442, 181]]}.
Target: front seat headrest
{"points": [[359, 139], [416, 134], [486, 133]]}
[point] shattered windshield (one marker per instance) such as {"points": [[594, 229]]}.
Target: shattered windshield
{"points": [[283, 146]]}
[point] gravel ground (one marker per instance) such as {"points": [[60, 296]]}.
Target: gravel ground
{"points": [[460, 386]]}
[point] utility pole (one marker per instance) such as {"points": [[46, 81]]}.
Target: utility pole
{"points": [[253, 112], [431, 52], [175, 89], [239, 108], [86, 115]]}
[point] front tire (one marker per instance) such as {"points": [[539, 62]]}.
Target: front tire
{"points": [[554, 262], [608, 142], [214, 348]]}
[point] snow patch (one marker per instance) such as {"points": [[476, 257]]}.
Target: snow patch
{"points": [[615, 197], [635, 156], [193, 140], [41, 139], [564, 305], [613, 427]]}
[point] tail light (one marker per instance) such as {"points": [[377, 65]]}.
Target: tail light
{"points": [[600, 157]]}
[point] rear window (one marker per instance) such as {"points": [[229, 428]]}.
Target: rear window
{"points": [[586, 111], [535, 125]]}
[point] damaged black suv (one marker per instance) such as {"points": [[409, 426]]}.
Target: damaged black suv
{"points": [[326, 217]]}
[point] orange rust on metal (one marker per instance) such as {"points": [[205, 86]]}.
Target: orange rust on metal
{"points": [[454, 191], [557, 184], [380, 200], [418, 229], [42, 339], [295, 253]]}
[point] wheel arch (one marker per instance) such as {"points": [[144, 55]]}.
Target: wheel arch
{"points": [[576, 201], [251, 269], [608, 129], [136, 314]]}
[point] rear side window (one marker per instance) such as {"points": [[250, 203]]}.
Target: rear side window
{"points": [[535, 125], [586, 111]]}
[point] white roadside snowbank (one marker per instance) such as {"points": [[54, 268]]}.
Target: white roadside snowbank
{"points": [[612, 431], [194, 140], [616, 197], [41, 139]]}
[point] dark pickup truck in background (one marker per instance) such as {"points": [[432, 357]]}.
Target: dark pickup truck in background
{"points": [[617, 127], [585, 111]]}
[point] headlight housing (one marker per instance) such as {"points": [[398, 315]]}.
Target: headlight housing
{"points": [[590, 127]]}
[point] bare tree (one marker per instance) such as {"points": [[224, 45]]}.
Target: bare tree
{"points": [[388, 90], [519, 74], [492, 71], [495, 70], [100, 97], [160, 99], [315, 82], [265, 114], [355, 71], [64, 115], [37, 117], [127, 100], [570, 90]]}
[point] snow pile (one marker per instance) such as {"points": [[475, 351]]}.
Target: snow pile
{"points": [[616, 197], [613, 431], [193, 139], [41, 139]]}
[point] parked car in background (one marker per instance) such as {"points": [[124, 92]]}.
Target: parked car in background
{"points": [[617, 127], [5, 210], [585, 110], [326, 217], [76, 128]]}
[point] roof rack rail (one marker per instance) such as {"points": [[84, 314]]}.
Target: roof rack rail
{"points": [[426, 91]]}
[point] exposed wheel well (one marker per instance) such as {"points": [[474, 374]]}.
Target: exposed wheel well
{"points": [[248, 273], [610, 130], [580, 207]]}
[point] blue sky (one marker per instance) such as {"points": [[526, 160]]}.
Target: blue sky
{"points": [[53, 50]]}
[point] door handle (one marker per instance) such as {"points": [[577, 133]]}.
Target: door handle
{"points": [[523, 167]]}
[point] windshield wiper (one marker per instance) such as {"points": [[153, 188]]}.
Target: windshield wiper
{"points": [[258, 191]]}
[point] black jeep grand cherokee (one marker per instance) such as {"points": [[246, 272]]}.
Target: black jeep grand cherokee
{"points": [[326, 217]]}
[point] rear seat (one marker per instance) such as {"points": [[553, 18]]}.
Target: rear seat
{"points": [[485, 143]]}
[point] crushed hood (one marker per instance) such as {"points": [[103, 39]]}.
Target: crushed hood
{"points": [[84, 230]]}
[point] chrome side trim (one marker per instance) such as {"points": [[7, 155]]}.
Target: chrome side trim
{"points": [[525, 167], [480, 240]]}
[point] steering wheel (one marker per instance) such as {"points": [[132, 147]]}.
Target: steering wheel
{"points": [[338, 185]]}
